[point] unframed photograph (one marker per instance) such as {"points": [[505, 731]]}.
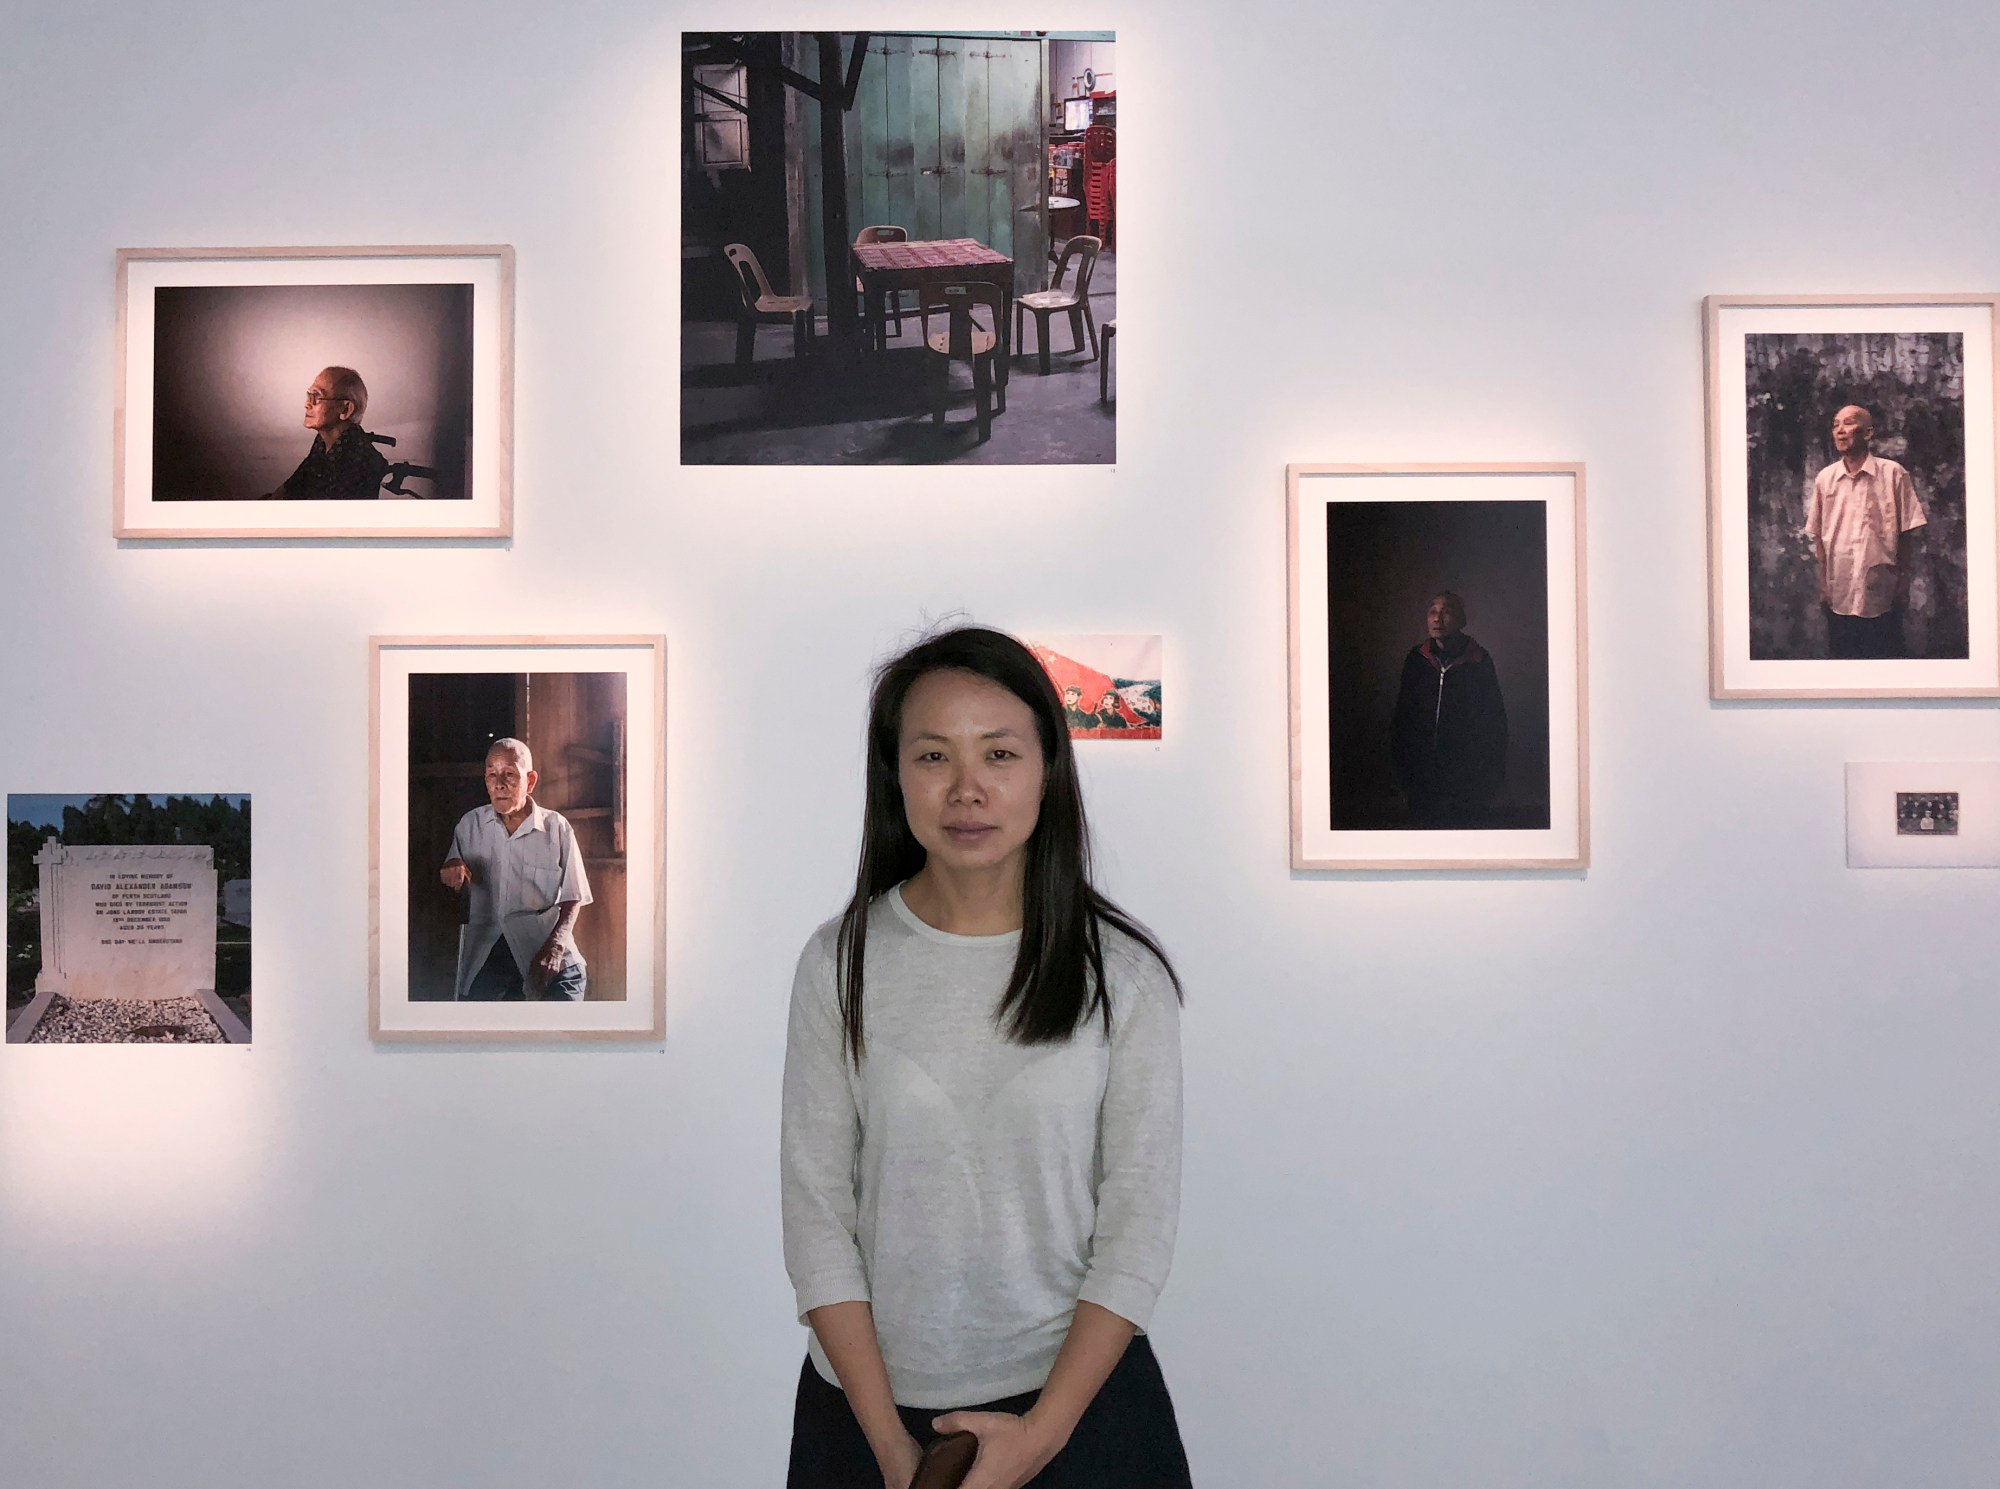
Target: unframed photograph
{"points": [[128, 919], [1110, 685], [1437, 667], [314, 392], [898, 247], [1927, 813], [1852, 496], [519, 784]]}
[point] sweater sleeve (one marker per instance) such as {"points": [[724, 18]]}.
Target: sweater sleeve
{"points": [[818, 1144], [1139, 1145]]}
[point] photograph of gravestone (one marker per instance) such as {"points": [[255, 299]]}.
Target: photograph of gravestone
{"points": [[898, 248], [128, 919]]}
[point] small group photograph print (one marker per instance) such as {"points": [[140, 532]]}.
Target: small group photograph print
{"points": [[314, 392], [1437, 667], [517, 838], [128, 919], [1851, 496], [1927, 814], [1110, 685], [898, 247]]}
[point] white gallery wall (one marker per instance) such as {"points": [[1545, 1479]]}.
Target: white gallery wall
{"points": [[1681, 1171]]}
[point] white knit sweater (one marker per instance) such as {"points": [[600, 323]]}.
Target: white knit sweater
{"points": [[969, 1188]]}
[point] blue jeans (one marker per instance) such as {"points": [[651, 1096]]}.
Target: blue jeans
{"points": [[500, 980]]}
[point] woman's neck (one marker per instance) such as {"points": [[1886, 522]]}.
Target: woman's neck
{"points": [[983, 903]]}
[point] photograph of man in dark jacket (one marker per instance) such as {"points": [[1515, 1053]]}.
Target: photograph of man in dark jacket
{"points": [[1449, 735]]}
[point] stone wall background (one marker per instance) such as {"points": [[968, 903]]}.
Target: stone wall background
{"points": [[1914, 385]]}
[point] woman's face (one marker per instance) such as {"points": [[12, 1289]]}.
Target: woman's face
{"points": [[970, 763]]}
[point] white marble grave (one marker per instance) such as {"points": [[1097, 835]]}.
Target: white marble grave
{"points": [[127, 922]]}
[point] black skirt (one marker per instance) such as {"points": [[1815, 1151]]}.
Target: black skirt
{"points": [[1127, 1438]]}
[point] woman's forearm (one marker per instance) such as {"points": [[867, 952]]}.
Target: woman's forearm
{"points": [[1093, 1347], [846, 1331]]}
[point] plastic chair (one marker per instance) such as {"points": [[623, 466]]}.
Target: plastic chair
{"points": [[885, 233], [761, 303], [1104, 341], [964, 339], [1075, 300]]}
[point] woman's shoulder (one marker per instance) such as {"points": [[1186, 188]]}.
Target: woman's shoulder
{"points": [[823, 945], [1133, 969], [822, 948]]}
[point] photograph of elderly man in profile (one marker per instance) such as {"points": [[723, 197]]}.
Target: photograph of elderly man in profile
{"points": [[1857, 495], [231, 362], [518, 882], [1422, 736], [343, 463]]}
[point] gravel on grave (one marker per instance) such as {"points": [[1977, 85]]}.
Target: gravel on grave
{"points": [[127, 1021]]}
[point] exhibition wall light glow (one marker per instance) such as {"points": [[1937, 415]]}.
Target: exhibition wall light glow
{"points": [[132, 1139]]}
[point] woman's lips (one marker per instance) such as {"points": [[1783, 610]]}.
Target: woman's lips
{"points": [[968, 832]]}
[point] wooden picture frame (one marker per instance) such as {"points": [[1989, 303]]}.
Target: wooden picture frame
{"points": [[212, 436], [1380, 780], [1826, 583], [593, 711]]}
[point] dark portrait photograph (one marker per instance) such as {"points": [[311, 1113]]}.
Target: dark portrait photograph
{"points": [[1438, 687], [322, 392], [1857, 502], [1438, 668], [314, 392], [518, 877]]}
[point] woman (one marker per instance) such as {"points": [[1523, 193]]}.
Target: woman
{"points": [[981, 1150]]}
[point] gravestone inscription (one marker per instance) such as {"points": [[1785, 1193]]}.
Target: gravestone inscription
{"points": [[127, 922]]}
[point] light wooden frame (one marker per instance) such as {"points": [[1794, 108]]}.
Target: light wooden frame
{"points": [[1732, 672], [1564, 847], [492, 514], [654, 985]]}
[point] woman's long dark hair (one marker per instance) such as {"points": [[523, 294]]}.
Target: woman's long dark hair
{"points": [[1058, 978]]}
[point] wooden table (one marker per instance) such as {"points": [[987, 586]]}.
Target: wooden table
{"points": [[886, 267]]}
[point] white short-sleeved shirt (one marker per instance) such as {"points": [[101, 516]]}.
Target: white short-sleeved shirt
{"points": [[520, 882]]}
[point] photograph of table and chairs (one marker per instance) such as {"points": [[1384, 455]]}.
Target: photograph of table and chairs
{"points": [[899, 248]]}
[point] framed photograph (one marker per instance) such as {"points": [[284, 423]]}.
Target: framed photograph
{"points": [[1852, 537], [1933, 814], [1438, 686], [128, 919], [899, 247], [517, 855], [314, 393], [1110, 685]]}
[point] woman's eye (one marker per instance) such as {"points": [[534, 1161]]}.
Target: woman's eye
{"points": [[1003, 755]]}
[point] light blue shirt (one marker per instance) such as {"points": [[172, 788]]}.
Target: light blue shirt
{"points": [[520, 882]]}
